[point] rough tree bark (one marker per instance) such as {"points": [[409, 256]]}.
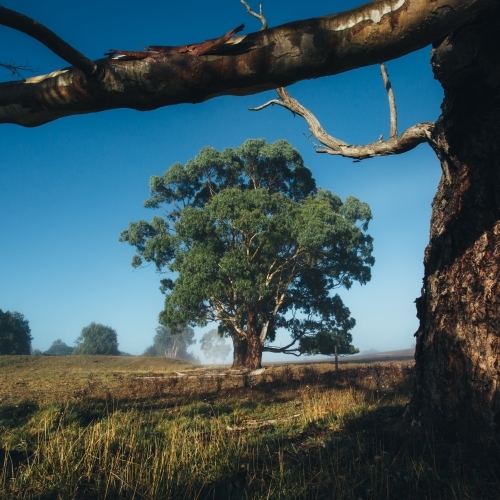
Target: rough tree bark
{"points": [[240, 348], [268, 59], [458, 341], [254, 350]]}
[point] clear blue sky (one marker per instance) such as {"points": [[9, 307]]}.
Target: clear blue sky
{"points": [[68, 188]]}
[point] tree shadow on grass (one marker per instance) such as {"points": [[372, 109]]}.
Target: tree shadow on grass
{"points": [[376, 455], [16, 415]]}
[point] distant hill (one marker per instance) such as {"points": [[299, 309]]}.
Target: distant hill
{"points": [[370, 351]]}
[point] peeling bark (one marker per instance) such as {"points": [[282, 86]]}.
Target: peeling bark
{"points": [[458, 341], [268, 59]]}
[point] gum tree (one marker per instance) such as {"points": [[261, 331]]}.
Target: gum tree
{"points": [[255, 247]]}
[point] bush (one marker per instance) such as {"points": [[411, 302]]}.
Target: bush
{"points": [[97, 339]]}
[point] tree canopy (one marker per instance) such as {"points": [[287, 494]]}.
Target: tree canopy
{"points": [[15, 333], [97, 339], [255, 245]]}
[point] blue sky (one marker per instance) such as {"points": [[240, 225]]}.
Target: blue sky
{"points": [[68, 188]]}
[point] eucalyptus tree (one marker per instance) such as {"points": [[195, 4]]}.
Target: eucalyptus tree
{"points": [[255, 246]]}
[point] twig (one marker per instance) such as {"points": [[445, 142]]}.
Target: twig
{"points": [[15, 69], [254, 14]]}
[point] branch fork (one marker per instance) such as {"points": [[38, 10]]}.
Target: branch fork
{"points": [[259, 16], [409, 139]]}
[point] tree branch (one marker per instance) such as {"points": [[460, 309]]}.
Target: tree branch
{"points": [[245, 65], [282, 350], [254, 14], [39, 32], [408, 140], [392, 102]]}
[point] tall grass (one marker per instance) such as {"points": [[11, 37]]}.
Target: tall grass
{"points": [[292, 433]]}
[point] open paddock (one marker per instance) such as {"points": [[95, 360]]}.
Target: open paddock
{"points": [[113, 427]]}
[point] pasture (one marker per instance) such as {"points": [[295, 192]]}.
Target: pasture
{"points": [[96, 427]]}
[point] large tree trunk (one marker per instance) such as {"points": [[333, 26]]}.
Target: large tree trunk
{"points": [[247, 352], [254, 354], [240, 349], [458, 341]]}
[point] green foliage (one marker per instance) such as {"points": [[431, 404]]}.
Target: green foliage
{"points": [[59, 348], [214, 346], [15, 333], [97, 339], [255, 246], [172, 343], [325, 342]]}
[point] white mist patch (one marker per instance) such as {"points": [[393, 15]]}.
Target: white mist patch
{"points": [[373, 14]]}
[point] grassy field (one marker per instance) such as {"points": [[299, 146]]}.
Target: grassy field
{"points": [[150, 428]]}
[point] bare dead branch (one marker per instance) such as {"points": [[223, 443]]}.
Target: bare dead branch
{"points": [[408, 140], [392, 102], [39, 32], [254, 14]]}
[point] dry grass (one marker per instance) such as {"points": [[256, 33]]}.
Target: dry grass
{"points": [[121, 431], [57, 378]]}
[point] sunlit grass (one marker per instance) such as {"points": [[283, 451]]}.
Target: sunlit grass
{"points": [[292, 432]]}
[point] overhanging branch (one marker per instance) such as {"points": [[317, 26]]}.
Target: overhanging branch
{"points": [[264, 60]]}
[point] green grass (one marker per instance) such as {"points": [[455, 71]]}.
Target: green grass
{"points": [[295, 432]]}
